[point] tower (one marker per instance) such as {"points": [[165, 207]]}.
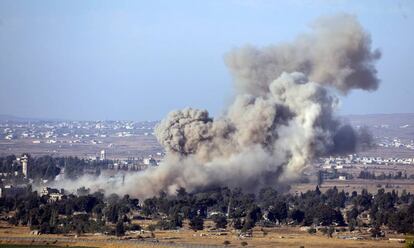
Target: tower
{"points": [[24, 165], [102, 156]]}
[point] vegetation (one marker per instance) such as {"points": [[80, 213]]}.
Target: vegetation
{"points": [[196, 223], [228, 208], [93, 212], [48, 167], [382, 176]]}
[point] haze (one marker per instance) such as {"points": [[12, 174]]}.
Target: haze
{"points": [[135, 60]]}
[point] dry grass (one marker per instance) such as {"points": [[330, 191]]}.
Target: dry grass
{"points": [[275, 237]]}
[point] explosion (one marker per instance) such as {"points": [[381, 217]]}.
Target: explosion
{"points": [[281, 118]]}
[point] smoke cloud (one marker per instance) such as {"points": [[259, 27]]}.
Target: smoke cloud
{"points": [[336, 53], [281, 118], [282, 115]]}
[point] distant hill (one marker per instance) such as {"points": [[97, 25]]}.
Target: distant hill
{"points": [[395, 120], [391, 120], [386, 125], [13, 118], [16, 118]]}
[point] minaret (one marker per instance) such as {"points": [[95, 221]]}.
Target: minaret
{"points": [[24, 165], [103, 155]]}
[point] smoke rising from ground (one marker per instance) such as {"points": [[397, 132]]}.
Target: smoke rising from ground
{"points": [[282, 115]]}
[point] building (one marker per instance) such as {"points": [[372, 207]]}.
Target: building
{"points": [[23, 161], [342, 178], [150, 161], [12, 191], [102, 155], [46, 191], [52, 194]]}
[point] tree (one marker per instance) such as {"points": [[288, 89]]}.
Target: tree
{"points": [[409, 244], [171, 223], [297, 215], [135, 227], [330, 231], [311, 230], [253, 215], [402, 221], [181, 194], [237, 224], [352, 224], [112, 213], [150, 207], [352, 214], [376, 231], [82, 191], [325, 215], [197, 223], [80, 223], [151, 227], [278, 212], [119, 229], [220, 221]]}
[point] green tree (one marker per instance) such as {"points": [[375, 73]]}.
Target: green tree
{"points": [[197, 223], [237, 224], [220, 221], [119, 229]]}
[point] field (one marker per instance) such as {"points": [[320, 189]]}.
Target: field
{"points": [[35, 246], [116, 147], [268, 237]]}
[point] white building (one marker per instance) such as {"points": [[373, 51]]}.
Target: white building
{"points": [[342, 178], [23, 160], [102, 155], [150, 161]]}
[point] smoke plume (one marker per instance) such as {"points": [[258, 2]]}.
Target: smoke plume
{"points": [[282, 115], [281, 118], [336, 53]]}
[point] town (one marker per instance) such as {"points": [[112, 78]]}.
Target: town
{"points": [[214, 123]]}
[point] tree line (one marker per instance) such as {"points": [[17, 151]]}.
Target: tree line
{"points": [[48, 167], [227, 208], [372, 176]]}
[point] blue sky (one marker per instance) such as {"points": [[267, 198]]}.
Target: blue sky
{"points": [[140, 59]]}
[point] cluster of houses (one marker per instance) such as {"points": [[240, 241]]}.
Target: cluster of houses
{"points": [[134, 165], [52, 194], [397, 143], [43, 131], [13, 190], [354, 159]]}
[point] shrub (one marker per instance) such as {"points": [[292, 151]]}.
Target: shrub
{"points": [[151, 227], [409, 244], [220, 221], [166, 225], [197, 223], [119, 229], [135, 227], [311, 230]]}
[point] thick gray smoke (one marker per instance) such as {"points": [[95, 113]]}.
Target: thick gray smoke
{"points": [[336, 53], [281, 118]]}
